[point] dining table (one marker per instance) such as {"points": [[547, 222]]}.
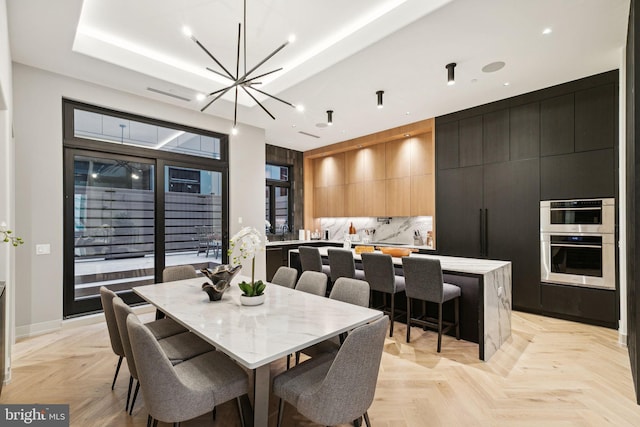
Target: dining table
{"points": [[254, 336]]}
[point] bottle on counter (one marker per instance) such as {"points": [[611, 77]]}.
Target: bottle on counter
{"points": [[429, 241], [352, 229]]}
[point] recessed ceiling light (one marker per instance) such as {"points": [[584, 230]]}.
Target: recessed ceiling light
{"points": [[293, 126], [493, 67], [506, 83], [547, 31], [407, 113]]}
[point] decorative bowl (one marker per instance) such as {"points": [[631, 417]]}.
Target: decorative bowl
{"points": [[220, 277], [396, 252]]}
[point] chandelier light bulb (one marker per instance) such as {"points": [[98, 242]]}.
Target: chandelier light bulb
{"points": [[292, 38], [187, 31], [300, 107], [234, 130]]}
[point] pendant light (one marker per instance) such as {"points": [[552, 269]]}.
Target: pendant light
{"points": [[330, 117], [379, 94], [451, 79]]}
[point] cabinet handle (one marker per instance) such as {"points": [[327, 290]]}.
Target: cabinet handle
{"points": [[486, 232], [481, 233]]}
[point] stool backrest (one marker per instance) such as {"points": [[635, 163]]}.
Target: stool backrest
{"points": [[341, 263], [379, 272], [310, 258], [423, 279]]}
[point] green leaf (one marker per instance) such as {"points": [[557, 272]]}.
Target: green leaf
{"points": [[259, 287], [246, 288]]}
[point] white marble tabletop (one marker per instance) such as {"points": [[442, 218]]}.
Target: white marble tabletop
{"points": [[288, 321]]}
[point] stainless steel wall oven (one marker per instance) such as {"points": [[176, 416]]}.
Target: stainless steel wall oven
{"points": [[577, 242]]}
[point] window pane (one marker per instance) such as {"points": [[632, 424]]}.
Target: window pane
{"points": [[278, 173], [193, 217], [282, 210], [117, 130], [113, 225]]}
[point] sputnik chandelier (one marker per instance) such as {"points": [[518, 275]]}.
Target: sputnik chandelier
{"points": [[246, 81]]}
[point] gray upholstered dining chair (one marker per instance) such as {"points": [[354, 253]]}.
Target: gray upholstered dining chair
{"points": [[187, 390], [177, 348], [336, 389], [311, 260], [380, 274], [312, 282], [285, 276], [341, 264], [173, 273], [424, 281], [161, 329], [352, 291], [178, 272]]}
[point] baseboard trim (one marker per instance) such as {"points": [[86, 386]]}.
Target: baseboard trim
{"points": [[35, 329], [622, 339]]}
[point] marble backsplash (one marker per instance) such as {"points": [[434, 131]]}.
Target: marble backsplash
{"points": [[391, 230]]}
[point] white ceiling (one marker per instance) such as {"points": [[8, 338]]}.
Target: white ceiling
{"points": [[344, 52]]}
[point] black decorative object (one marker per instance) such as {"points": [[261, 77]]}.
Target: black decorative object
{"points": [[220, 277], [379, 94]]}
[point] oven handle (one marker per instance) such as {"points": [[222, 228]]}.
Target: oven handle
{"points": [[576, 246], [587, 208]]}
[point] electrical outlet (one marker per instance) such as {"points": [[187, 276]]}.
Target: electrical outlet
{"points": [[43, 249]]}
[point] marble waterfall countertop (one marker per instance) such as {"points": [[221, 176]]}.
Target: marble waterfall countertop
{"points": [[494, 296], [353, 244]]}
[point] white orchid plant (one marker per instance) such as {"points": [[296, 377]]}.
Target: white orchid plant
{"points": [[6, 235], [244, 245]]}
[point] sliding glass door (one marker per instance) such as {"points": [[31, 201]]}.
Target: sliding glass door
{"points": [[139, 194], [193, 217], [113, 245]]}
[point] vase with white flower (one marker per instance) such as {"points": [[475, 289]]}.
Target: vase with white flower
{"points": [[243, 246]]}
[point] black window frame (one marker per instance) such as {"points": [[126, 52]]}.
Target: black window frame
{"points": [[272, 184], [73, 145]]}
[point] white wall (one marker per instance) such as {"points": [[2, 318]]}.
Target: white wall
{"points": [[39, 206], [6, 176]]}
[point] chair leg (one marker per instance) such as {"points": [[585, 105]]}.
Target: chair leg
{"points": [[280, 412], [297, 358], [356, 423], [126, 407], [113, 384], [393, 313], [239, 411], [366, 419], [457, 316], [176, 424], [439, 326], [149, 420], [155, 423], [288, 361], [135, 394], [213, 413], [408, 319]]}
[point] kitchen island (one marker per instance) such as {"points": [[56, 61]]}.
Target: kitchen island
{"points": [[485, 301]]}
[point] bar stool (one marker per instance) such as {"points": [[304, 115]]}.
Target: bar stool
{"points": [[379, 272], [341, 264], [310, 260], [424, 282]]}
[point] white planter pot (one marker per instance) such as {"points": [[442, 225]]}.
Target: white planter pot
{"points": [[245, 300]]}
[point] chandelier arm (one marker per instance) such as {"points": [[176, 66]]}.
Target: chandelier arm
{"points": [[258, 102], [264, 60], [217, 72], [212, 57], [274, 97], [244, 14], [223, 91], [238, 56], [235, 108], [261, 75]]}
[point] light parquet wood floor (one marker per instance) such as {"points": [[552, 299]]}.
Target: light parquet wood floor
{"points": [[551, 372]]}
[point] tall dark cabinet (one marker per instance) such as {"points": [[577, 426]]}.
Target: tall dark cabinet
{"points": [[496, 162], [487, 204]]}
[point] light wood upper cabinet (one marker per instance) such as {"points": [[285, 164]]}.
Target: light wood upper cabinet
{"points": [[320, 202], [354, 199], [398, 158], [335, 200], [374, 162], [398, 196], [423, 195], [319, 175], [334, 169], [422, 154], [354, 166], [375, 198]]}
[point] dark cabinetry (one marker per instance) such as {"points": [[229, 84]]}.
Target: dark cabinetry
{"points": [[2, 333], [499, 160]]}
